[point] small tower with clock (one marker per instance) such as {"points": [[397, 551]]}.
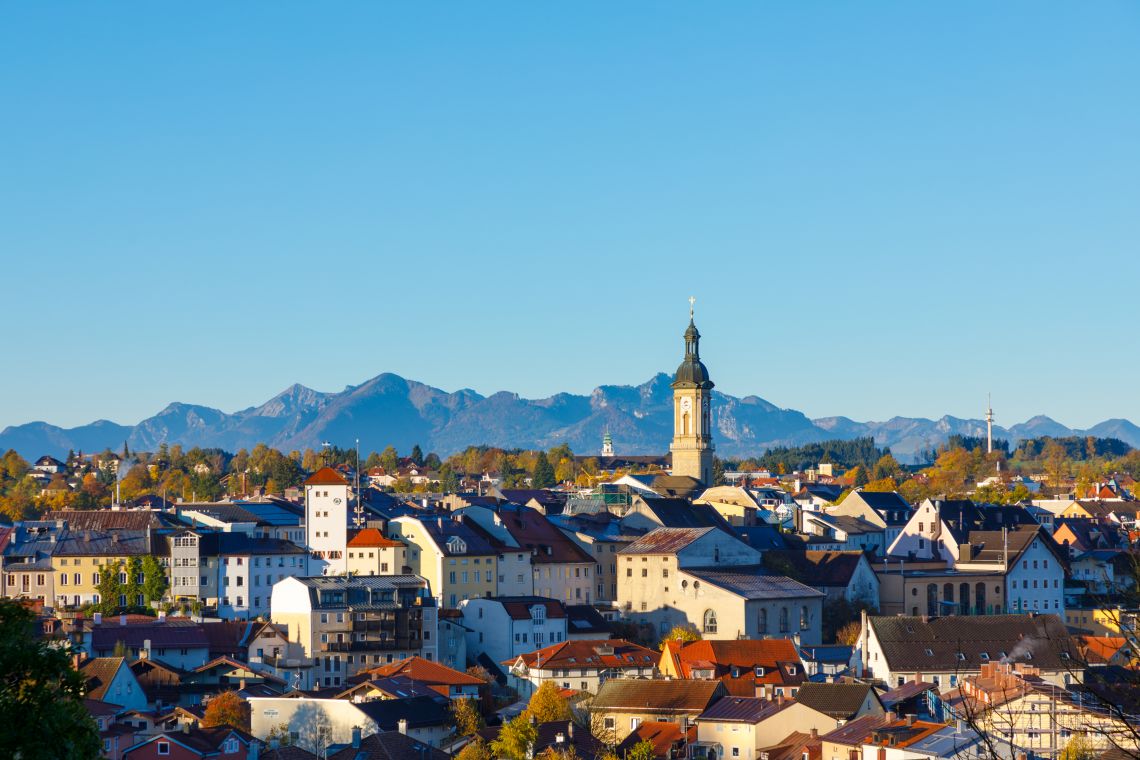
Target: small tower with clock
{"points": [[692, 446], [326, 522]]}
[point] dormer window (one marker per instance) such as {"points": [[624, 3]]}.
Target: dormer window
{"points": [[456, 545], [759, 672], [538, 614], [985, 656]]}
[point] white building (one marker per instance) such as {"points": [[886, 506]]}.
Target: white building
{"points": [[508, 626], [326, 521]]}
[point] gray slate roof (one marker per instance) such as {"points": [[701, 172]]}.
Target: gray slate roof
{"points": [[755, 582]]}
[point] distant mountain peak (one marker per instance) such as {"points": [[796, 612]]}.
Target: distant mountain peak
{"points": [[391, 410]]}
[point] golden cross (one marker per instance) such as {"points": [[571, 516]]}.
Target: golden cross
{"points": [[692, 300]]}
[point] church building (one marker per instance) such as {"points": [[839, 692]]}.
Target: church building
{"points": [[692, 446]]}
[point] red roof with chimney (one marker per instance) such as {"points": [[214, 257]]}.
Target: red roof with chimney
{"points": [[374, 538], [326, 476]]}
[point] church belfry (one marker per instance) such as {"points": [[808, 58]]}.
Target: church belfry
{"points": [[692, 446]]}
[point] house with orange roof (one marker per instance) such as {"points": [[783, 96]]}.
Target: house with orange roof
{"points": [[669, 740], [370, 552], [452, 684], [580, 664], [748, 667]]}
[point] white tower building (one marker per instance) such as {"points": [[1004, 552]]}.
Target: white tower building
{"points": [[326, 522]]}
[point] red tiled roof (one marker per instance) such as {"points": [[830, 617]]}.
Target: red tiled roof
{"points": [[773, 655], [374, 538], [663, 735], [326, 476], [425, 671], [584, 654]]}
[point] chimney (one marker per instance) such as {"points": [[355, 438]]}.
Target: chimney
{"points": [[891, 716], [162, 616], [241, 685], [98, 620], [122, 619], [402, 725], [815, 733], [918, 677], [186, 727], [910, 718], [144, 653], [570, 727], [356, 734]]}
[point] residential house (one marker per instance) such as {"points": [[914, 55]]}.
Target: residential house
{"points": [[385, 745], [232, 572], [646, 513], [445, 681], [370, 552], [602, 536], [748, 667], [178, 642], [109, 679], [827, 531], [938, 527], [579, 665], [192, 742], [347, 624], [1037, 717], [457, 562], [841, 701], [845, 575], [623, 704], [740, 727], [887, 510], [944, 650], [506, 627]]}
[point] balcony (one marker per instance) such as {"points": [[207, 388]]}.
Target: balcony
{"points": [[370, 645]]}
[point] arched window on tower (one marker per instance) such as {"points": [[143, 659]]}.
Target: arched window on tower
{"points": [[685, 423]]}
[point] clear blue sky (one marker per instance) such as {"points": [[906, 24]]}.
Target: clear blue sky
{"points": [[882, 208]]}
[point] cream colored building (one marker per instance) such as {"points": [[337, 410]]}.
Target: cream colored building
{"points": [[739, 727], [457, 561], [370, 552]]}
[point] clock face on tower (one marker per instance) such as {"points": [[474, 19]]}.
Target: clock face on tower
{"points": [[686, 404], [336, 501]]}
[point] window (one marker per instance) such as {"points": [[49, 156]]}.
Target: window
{"points": [[783, 620], [762, 623], [629, 572], [163, 748], [645, 572], [710, 621], [609, 724]]}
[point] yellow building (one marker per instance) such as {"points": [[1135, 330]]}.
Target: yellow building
{"points": [[80, 556], [370, 552], [457, 561], [692, 446]]}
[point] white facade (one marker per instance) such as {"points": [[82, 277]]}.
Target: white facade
{"points": [[919, 535], [1036, 582], [326, 527], [245, 582], [492, 631]]}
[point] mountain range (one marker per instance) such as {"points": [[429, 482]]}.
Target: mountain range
{"points": [[390, 410]]}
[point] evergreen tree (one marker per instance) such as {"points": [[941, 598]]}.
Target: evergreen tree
{"points": [[543, 476], [417, 456]]}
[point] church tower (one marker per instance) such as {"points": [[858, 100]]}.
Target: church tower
{"points": [[692, 419]]}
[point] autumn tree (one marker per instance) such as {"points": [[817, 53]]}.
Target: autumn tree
{"points": [[466, 716], [515, 739], [477, 749], [41, 694], [643, 750], [683, 633], [848, 634], [227, 709], [390, 460], [547, 704]]}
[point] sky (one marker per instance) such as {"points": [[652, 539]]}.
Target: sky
{"points": [[882, 208]]}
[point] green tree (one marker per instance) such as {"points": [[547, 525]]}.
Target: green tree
{"points": [[417, 455], [109, 588], [389, 460], [682, 633], [154, 579], [448, 480], [543, 476], [41, 695], [515, 739], [133, 588]]}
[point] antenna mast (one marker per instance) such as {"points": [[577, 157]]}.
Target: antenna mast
{"points": [[989, 425]]}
